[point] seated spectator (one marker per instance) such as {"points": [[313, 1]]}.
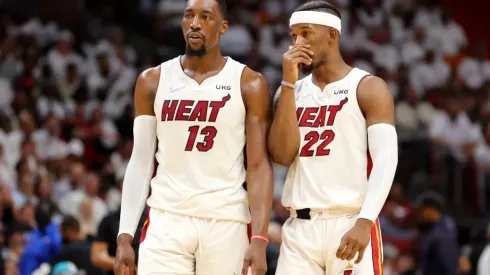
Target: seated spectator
{"points": [[432, 73], [412, 115], [76, 248], [86, 217], [104, 247], [450, 36], [43, 243], [474, 70], [439, 253], [69, 205], [451, 129]]}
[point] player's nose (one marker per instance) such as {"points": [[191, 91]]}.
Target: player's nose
{"points": [[300, 41], [195, 24]]}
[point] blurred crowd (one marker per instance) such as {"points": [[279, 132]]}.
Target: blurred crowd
{"points": [[67, 73]]}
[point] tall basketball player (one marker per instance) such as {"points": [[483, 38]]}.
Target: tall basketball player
{"points": [[199, 110], [324, 125]]}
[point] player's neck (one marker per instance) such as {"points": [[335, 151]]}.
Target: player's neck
{"points": [[202, 64], [333, 70]]}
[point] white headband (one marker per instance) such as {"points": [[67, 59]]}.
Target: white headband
{"points": [[315, 17]]}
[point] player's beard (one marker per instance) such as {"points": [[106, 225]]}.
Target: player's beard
{"points": [[306, 69], [195, 53]]}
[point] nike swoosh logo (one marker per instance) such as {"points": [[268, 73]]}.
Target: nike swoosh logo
{"points": [[171, 90]]}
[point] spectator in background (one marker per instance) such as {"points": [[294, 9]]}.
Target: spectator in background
{"points": [[415, 49], [62, 55], [433, 72], [70, 204], [86, 217], [7, 173], [237, 41], [76, 248], [43, 243], [474, 70], [439, 251], [452, 129], [104, 247], [482, 157], [385, 54], [450, 36], [413, 115]]}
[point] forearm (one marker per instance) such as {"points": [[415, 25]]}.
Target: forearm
{"points": [[383, 147], [104, 261], [260, 189], [138, 174], [283, 139]]}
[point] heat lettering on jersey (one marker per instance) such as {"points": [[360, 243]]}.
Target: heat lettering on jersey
{"points": [[192, 110], [315, 117], [195, 110]]}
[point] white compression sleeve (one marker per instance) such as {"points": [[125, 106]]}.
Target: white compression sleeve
{"points": [[383, 147], [136, 184]]}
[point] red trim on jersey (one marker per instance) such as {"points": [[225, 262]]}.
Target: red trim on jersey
{"points": [[376, 247], [249, 232], [147, 220], [369, 163]]}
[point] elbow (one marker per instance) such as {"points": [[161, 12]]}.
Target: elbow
{"points": [[95, 257]]}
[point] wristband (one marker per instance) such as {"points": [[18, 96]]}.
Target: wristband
{"points": [[260, 238], [287, 84]]}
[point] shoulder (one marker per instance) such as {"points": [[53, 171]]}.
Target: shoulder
{"points": [[373, 90], [254, 86], [252, 80], [149, 77]]}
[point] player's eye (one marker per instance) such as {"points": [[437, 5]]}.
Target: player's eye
{"points": [[305, 34], [188, 15], [205, 17]]}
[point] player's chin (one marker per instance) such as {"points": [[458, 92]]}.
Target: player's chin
{"points": [[305, 69]]}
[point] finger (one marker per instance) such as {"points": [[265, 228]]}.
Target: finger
{"points": [[302, 49], [118, 269], [301, 60], [361, 255], [341, 248], [246, 265], [353, 253], [302, 45], [131, 268], [301, 54], [348, 249]]}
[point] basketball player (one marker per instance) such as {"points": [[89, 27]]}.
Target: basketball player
{"points": [[202, 109], [324, 125]]}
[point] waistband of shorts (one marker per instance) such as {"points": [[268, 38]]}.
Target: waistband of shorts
{"points": [[308, 214]]}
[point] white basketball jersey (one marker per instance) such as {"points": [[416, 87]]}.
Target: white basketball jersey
{"points": [[201, 138], [330, 171]]}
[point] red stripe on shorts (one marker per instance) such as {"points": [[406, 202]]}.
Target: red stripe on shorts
{"points": [[376, 248], [147, 220]]}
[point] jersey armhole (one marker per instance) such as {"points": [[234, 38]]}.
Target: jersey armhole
{"points": [[358, 108], [239, 73], [160, 87]]}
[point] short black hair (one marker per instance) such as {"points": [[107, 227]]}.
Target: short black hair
{"points": [[223, 8], [69, 222], [321, 6], [430, 199]]}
